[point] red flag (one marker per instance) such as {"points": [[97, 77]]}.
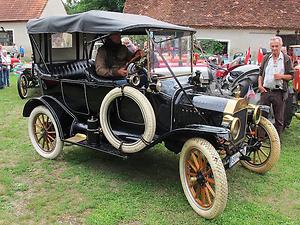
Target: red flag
{"points": [[247, 57], [260, 56]]}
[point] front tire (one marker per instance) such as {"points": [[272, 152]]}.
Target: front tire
{"points": [[43, 133], [22, 85], [203, 178], [267, 151]]}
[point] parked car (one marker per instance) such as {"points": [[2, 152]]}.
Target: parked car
{"points": [[13, 62], [26, 80], [125, 116]]}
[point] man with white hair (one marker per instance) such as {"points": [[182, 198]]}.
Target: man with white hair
{"points": [[276, 71]]}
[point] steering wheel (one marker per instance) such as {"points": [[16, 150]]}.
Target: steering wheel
{"points": [[134, 59]]}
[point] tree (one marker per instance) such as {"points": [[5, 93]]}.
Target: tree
{"points": [[211, 46], [77, 6]]}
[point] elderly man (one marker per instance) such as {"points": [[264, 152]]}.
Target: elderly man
{"points": [[275, 72]]}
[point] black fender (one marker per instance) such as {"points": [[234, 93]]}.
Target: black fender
{"points": [[245, 80], [175, 139], [63, 117]]}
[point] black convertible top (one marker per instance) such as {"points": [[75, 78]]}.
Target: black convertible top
{"points": [[96, 21]]}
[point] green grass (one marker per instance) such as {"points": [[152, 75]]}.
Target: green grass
{"points": [[83, 186]]}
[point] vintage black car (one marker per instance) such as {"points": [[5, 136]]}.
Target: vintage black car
{"points": [[26, 80], [163, 99]]}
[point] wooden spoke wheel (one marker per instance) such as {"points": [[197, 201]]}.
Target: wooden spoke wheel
{"points": [[22, 85], [203, 178], [264, 146], [43, 132]]}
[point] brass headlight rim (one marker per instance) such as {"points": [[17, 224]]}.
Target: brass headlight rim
{"points": [[256, 112], [234, 122]]}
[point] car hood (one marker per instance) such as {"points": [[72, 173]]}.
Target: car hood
{"points": [[213, 103]]}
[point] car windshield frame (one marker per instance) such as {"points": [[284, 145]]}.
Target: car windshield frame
{"points": [[180, 64]]}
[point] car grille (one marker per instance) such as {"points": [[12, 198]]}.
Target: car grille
{"points": [[242, 115]]}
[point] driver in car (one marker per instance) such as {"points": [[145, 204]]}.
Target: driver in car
{"points": [[113, 57]]}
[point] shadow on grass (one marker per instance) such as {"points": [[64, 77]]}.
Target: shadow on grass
{"points": [[156, 166]]}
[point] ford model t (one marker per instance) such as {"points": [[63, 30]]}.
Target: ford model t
{"points": [[163, 99]]}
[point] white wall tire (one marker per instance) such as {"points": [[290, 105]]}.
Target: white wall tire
{"points": [[266, 156], [203, 178], [147, 113], [43, 133]]}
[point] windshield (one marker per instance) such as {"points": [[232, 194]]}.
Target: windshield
{"points": [[175, 48]]}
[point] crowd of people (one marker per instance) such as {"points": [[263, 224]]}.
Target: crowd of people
{"points": [[6, 61]]}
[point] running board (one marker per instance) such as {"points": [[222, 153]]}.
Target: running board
{"points": [[102, 147], [77, 138]]}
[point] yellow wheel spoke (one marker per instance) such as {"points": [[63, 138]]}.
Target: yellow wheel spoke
{"points": [[210, 180], [258, 156], [38, 125], [200, 160], [195, 160], [50, 137], [47, 144], [192, 166], [39, 119], [50, 142], [254, 157], [208, 196], [203, 197], [207, 172], [266, 146], [265, 154], [204, 164], [50, 125], [192, 174], [198, 191], [200, 203], [210, 189], [40, 138], [43, 143]]}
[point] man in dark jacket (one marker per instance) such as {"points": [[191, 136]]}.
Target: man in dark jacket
{"points": [[275, 72]]}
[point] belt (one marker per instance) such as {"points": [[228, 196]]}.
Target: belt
{"points": [[273, 90]]}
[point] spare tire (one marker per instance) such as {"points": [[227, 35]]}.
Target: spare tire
{"points": [[146, 111]]}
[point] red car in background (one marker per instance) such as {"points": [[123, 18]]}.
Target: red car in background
{"points": [[13, 62], [294, 51]]}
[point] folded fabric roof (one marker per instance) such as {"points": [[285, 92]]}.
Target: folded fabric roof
{"points": [[96, 21]]}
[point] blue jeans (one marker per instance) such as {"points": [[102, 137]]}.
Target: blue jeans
{"points": [[6, 77], [1, 78]]}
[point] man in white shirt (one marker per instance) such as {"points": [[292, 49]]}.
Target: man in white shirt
{"points": [[275, 72]]}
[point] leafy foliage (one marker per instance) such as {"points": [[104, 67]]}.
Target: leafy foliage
{"points": [[211, 46], [77, 6]]}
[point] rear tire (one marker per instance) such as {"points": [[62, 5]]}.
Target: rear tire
{"points": [[267, 154], [43, 133], [22, 86]]}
